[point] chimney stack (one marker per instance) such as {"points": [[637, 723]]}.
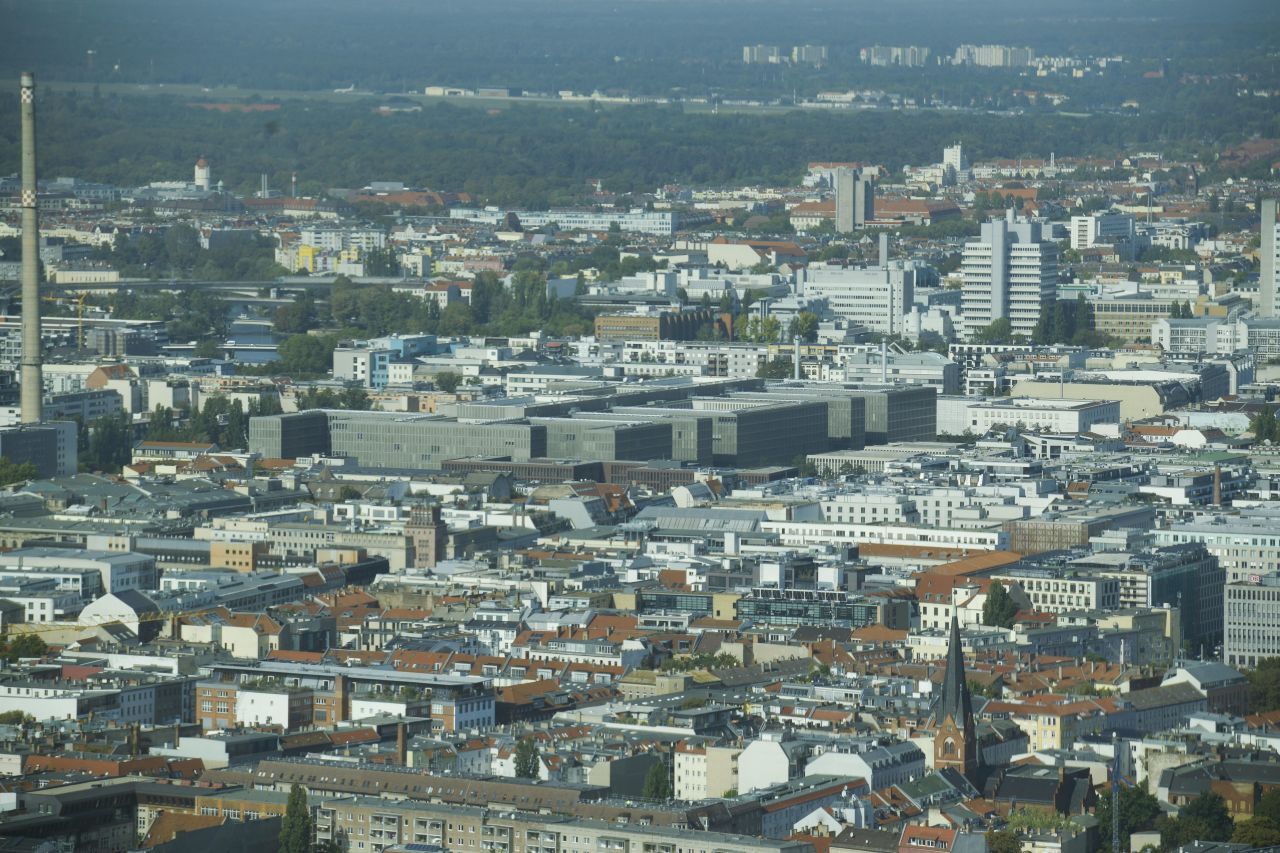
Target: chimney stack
{"points": [[32, 380], [884, 250], [402, 746]]}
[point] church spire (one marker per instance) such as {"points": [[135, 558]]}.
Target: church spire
{"points": [[954, 701], [955, 742]]}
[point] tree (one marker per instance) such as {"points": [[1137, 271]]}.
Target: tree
{"points": [[778, 368], [207, 348], [804, 326], [1206, 818], [13, 718], [306, 354], [1138, 812], [1003, 841], [1264, 426], [21, 473], [657, 783], [1257, 832], [998, 331], [1268, 806], [296, 830], [999, 608], [448, 381], [1264, 695], [24, 646], [528, 761]]}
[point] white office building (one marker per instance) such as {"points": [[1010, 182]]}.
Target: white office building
{"points": [[878, 297], [1088, 231], [961, 415], [1269, 279], [1010, 271]]}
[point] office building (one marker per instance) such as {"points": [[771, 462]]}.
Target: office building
{"points": [[1269, 277], [1088, 231], [855, 199], [1010, 271], [51, 447], [877, 297]]}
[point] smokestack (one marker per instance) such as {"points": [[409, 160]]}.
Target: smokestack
{"points": [[795, 368], [884, 250], [1217, 484], [342, 710], [32, 379], [884, 362], [402, 747], [293, 186]]}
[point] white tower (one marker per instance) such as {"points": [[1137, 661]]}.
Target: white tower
{"points": [[202, 180]]}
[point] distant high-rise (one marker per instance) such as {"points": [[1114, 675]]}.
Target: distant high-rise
{"points": [[1269, 279], [855, 199], [1011, 271], [203, 179]]}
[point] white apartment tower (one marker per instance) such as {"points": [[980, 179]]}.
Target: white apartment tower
{"points": [[1011, 271], [1269, 279]]}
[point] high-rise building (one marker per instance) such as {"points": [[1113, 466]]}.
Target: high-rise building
{"points": [[1269, 280], [809, 54], [202, 175], [855, 199], [1010, 271]]}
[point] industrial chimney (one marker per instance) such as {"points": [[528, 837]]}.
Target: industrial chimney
{"points": [[32, 380]]}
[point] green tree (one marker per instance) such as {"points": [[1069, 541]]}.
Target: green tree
{"points": [[1257, 832], [110, 443], [777, 368], [307, 354], [296, 830], [448, 381], [1206, 818], [207, 348], [999, 608], [1138, 812], [1264, 425], [1003, 841], [998, 331], [1264, 695], [657, 782], [804, 326], [25, 646], [528, 760], [21, 473], [13, 718], [1269, 806]]}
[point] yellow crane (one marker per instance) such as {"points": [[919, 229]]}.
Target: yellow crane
{"points": [[79, 303]]}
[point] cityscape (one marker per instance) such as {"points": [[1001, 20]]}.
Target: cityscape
{"points": [[675, 427]]}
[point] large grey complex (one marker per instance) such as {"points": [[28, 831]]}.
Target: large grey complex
{"points": [[742, 423]]}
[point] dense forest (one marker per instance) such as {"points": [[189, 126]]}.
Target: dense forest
{"points": [[654, 47], [539, 155]]}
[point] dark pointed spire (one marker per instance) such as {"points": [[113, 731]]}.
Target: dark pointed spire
{"points": [[954, 700]]}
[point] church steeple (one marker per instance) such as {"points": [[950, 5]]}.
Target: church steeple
{"points": [[955, 744]]}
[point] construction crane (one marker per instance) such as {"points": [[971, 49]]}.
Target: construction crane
{"points": [[79, 303]]}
